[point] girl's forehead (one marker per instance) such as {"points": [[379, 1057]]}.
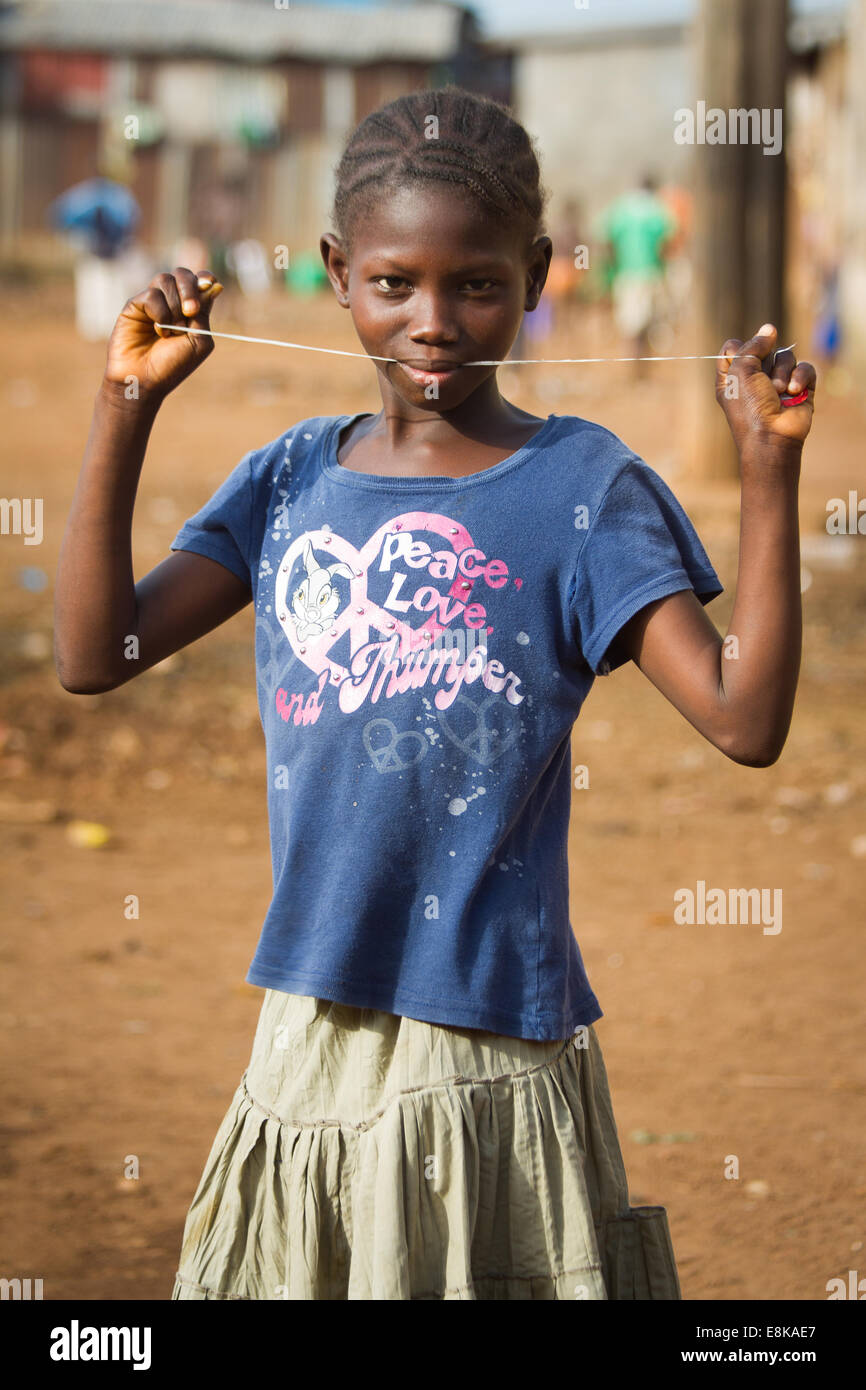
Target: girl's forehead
{"points": [[432, 217]]}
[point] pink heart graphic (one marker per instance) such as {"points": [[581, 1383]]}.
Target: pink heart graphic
{"points": [[359, 614]]}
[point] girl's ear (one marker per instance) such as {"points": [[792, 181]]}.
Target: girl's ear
{"points": [[537, 266], [337, 266]]}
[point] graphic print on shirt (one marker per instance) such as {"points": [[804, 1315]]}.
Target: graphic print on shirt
{"points": [[316, 600], [361, 650]]}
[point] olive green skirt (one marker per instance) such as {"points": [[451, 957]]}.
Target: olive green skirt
{"points": [[370, 1156]]}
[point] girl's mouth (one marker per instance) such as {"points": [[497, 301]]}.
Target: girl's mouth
{"points": [[427, 376]]}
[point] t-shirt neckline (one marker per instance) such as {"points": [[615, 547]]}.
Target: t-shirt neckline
{"points": [[334, 470]]}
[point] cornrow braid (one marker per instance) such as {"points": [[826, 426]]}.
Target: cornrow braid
{"points": [[475, 143]]}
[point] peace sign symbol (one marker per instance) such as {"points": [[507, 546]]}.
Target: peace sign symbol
{"points": [[484, 742], [386, 757]]}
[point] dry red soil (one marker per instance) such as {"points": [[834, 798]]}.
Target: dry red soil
{"points": [[127, 1037]]}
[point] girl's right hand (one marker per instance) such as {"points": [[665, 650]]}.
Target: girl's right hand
{"points": [[157, 359]]}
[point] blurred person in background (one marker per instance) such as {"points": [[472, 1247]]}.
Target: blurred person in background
{"points": [[100, 217], [305, 275], [826, 333], [635, 230], [564, 276], [247, 260], [554, 308]]}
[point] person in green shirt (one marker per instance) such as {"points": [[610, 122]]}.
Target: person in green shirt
{"points": [[634, 230]]}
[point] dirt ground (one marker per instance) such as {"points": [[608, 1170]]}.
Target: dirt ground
{"points": [[126, 1037]]}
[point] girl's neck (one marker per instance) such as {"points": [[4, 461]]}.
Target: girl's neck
{"points": [[402, 441], [485, 419]]}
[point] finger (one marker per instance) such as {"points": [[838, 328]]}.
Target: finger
{"points": [[209, 287], [759, 347], [197, 291], [723, 363], [207, 290], [803, 378], [154, 305], [168, 285], [729, 347], [188, 290], [783, 365]]}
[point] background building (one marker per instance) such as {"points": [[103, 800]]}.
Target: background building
{"points": [[224, 118]]}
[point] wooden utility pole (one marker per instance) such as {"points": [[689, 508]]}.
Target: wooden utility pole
{"points": [[741, 62]]}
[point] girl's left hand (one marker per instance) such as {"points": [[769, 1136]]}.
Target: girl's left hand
{"points": [[752, 405]]}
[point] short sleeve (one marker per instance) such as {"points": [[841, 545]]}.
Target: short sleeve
{"points": [[221, 529], [640, 546]]}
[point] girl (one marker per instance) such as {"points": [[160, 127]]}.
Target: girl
{"points": [[425, 1114]]}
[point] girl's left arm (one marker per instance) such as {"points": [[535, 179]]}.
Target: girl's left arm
{"points": [[738, 691]]}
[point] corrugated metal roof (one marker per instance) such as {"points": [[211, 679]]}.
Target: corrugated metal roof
{"points": [[516, 23], [234, 29]]}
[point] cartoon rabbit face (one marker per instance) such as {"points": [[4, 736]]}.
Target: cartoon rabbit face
{"points": [[315, 600]]}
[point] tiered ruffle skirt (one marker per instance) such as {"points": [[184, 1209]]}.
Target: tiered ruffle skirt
{"points": [[370, 1156]]}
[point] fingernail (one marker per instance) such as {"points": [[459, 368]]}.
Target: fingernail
{"points": [[766, 330], [189, 306]]}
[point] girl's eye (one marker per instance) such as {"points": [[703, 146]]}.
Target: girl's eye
{"points": [[478, 285]]}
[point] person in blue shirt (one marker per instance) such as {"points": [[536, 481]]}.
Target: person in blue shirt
{"points": [[436, 585]]}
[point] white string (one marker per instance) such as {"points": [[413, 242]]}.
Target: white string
{"points": [[506, 362]]}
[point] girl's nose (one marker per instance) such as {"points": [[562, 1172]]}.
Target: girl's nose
{"points": [[433, 321]]}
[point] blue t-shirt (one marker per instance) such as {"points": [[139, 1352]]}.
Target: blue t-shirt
{"points": [[423, 647]]}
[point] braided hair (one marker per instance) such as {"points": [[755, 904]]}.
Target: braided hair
{"points": [[473, 142]]}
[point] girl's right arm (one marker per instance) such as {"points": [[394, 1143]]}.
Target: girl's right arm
{"points": [[98, 605]]}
